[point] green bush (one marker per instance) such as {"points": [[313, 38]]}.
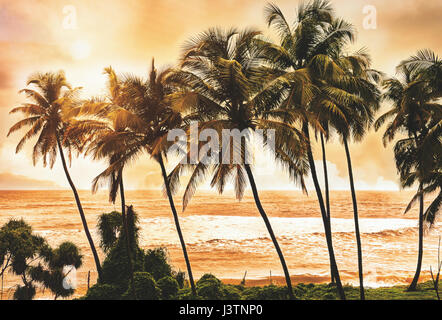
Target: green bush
{"points": [[156, 263], [67, 254], [207, 277], [103, 292], [271, 292], [180, 277], [186, 294], [116, 270], [24, 293], [230, 292], [209, 288], [169, 288], [145, 287]]}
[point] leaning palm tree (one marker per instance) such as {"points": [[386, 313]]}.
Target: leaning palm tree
{"points": [[50, 101], [105, 127], [147, 106], [226, 86], [414, 96], [305, 45]]}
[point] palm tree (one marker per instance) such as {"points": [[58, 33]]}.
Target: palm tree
{"points": [[315, 35], [51, 99], [150, 116], [421, 164], [356, 95], [415, 112], [225, 86], [324, 137], [105, 133]]}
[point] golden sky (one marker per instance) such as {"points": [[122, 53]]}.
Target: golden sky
{"points": [[128, 33]]}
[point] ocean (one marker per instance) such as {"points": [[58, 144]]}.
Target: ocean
{"points": [[228, 238]]}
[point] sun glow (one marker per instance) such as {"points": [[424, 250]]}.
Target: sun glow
{"points": [[80, 49]]}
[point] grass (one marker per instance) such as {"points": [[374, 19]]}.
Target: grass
{"points": [[220, 291], [425, 291]]}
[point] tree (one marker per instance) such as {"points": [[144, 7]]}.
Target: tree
{"points": [[225, 86], [55, 267], [30, 257], [105, 128], [353, 91], [50, 101], [148, 107], [118, 269], [315, 36]]}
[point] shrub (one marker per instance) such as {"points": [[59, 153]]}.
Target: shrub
{"points": [[209, 287], [67, 254], [156, 263], [180, 277], [230, 292], [103, 292], [116, 270], [169, 288], [207, 277], [271, 292], [186, 294], [24, 293]]}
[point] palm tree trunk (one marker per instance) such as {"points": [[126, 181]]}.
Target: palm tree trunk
{"points": [[270, 230], [356, 219], [413, 285], [80, 209], [177, 224], [325, 220], [327, 192], [126, 232]]}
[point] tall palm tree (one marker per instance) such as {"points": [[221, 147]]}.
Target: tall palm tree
{"points": [[50, 100], [147, 108], [105, 128], [306, 44], [356, 95], [415, 110], [421, 163], [226, 87]]}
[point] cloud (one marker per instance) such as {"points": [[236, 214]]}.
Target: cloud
{"points": [[9, 181]]}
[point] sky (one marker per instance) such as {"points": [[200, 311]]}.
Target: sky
{"points": [[82, 37]]}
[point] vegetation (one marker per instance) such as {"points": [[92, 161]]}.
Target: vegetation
{"points": [[232, 79], [153, 277], [45, 116], [210, 288], [417, 113], [37, 264]]}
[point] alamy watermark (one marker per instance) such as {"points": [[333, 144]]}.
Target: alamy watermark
{"points": [[69, 277], [69, 17], [370, 19], [210, 146]]}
